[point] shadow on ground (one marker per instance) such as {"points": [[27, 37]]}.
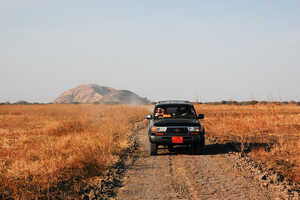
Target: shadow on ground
{"points": [[217, 149]]}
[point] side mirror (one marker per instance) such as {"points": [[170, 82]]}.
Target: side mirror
{"points": [[201, 116], [149, 117]]}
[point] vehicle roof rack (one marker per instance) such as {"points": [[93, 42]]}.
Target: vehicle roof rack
{"points": [[174, 101]]}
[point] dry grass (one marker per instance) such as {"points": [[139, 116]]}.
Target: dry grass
{"points": [[48, 150], [261, 126]]}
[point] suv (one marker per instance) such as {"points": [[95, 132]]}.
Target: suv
{"points": [[175, 123]]}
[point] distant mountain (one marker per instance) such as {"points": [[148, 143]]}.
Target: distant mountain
{"points": [[93, 93]]}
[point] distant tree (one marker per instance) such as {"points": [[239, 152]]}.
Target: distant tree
{"points": [[224, 102], [253, 102], [22, 103], [263, 102]]}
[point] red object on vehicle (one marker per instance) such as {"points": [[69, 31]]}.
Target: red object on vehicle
{"points": [[177, 139]]}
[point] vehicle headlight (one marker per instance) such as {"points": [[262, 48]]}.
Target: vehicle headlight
{"points": [[194, 129], [158, 129]]}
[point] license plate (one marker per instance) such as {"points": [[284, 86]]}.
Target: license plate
{"points": [[177, 139]]}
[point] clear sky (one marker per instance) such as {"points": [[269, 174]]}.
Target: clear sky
{"points": [[160, 49]]}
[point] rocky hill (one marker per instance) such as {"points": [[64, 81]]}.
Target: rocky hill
{"points": [[93, 93]]}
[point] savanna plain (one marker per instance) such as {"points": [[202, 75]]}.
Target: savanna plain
{"points": [[54, 151], [268, 133]]}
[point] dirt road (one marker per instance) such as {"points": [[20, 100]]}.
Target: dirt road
{"points": [[179, 175]]}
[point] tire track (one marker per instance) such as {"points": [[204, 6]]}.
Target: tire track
{"points": [[179, 186], [179, 175]]}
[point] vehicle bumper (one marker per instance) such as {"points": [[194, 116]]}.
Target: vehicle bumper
{"points": [[165, 140]]}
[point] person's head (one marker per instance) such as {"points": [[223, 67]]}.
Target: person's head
{"points": [[160, 110]]}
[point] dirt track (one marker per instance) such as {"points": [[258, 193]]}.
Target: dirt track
{"points": [[179, 175]]}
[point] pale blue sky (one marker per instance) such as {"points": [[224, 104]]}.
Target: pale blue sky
{"points": [[170, 49]]}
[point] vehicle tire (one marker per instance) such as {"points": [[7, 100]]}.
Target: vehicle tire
{"points": [[203, 138], [197, 148], [153, 149], [202, 143], [170, 148]]}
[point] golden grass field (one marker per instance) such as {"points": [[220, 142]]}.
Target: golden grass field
{"points": [[272, 125], [46, 149]]}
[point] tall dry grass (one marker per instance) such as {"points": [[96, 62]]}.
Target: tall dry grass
{"points": [[275, 126], [48, 151]]}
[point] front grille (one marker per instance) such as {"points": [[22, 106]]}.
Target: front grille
{"points": [[177, 131]]}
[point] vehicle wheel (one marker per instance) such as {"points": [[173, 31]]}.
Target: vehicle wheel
{"points": [[202, 143], [197, 148], [203, 139], [170, 148], [153, 149]]}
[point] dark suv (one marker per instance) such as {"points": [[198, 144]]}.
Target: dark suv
{"points": [[176, 123]]}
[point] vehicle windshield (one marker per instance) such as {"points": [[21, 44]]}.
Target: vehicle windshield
{"points": [[174, 111]]}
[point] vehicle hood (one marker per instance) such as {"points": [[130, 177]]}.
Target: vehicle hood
{"points": [[176, 122]]}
